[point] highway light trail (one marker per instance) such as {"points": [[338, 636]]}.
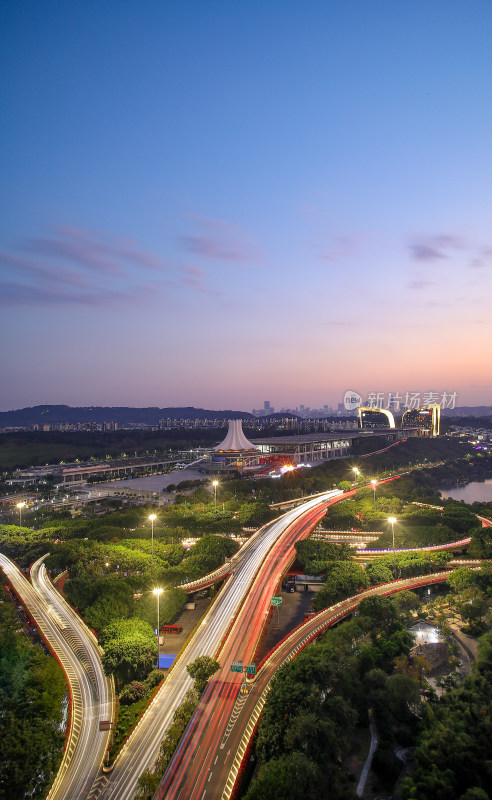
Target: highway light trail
{"points": [[91, 693], [209, 730], [142, 748]]}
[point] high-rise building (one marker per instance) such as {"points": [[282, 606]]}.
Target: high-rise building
{"points": [[375, 418], [426, 418]]}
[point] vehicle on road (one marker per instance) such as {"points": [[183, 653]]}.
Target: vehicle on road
{"points": [[172, 629]]}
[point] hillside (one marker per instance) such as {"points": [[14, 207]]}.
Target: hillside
{"points": [[123, 415]]}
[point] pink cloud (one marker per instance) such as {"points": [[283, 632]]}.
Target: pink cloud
{"points": [[92, 251], [22, 294], [41, 271], [420, 284], [193, 277], [433, 248], [340, 247], [78, 267], [196, 271], [219, 240], [483, 259]]}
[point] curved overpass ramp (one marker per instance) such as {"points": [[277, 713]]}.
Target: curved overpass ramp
{"points": [[142, 747], [91, 693], [229, 749]]}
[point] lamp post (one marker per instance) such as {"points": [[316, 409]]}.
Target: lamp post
{"points": [[20, 506], [393, 520], [356, 471], [215, 484], [158, 593], [152, 517], [374, 484]]}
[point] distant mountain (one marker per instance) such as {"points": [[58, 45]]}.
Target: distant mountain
{"points": [[123, 415], [468, 411]]}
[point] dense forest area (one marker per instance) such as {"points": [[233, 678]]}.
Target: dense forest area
{"points": [[321, 703], [318, 701], [35, 448]]}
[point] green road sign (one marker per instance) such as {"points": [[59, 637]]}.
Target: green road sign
{"points": [[251, 669], [276, 601], [237, 666]]}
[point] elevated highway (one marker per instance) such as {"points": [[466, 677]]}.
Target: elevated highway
{"points": [[244, 719], [91, 693], [142, 748], [367, 554], [194, 758], [208, 759], [210, 755]]}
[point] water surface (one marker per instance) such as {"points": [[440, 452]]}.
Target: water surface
{"points": [[477, 491]]}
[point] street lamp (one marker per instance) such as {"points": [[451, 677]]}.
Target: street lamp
{"points": [[356, 470], [152, 517], [158, 593], [215, 484], [393, 520], [20, 506], [374, 483]]}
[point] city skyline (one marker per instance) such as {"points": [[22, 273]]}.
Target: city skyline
{"points": [[206, 206]]}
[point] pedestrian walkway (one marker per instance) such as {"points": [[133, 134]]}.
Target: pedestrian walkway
{"points": [[372, 749]]}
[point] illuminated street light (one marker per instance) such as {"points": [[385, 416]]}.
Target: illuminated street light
{"points": [[20, 506], [158, 593], [215, 484], [152, 517], [374, 483], [357, 472], [393, 520]]}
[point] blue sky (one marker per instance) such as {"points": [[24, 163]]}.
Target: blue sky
{"points": [[217, 203]]}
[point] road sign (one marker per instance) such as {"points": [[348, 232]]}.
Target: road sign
{"points": [[276, 601], [237, 666], [251, 669]]}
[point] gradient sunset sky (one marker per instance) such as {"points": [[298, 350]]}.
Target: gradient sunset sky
{"points": [[217, 203]]}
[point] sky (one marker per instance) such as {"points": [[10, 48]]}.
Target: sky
{"points": [[217, 204]]}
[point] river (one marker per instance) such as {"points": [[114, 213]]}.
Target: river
{"points": [[477, 491]]}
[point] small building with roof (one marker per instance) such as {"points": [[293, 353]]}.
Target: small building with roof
{"points": [[235, 452]]}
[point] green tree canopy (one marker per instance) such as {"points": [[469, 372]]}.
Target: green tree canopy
{"points": [[201, 669], [130, 649], [343, 579]]}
